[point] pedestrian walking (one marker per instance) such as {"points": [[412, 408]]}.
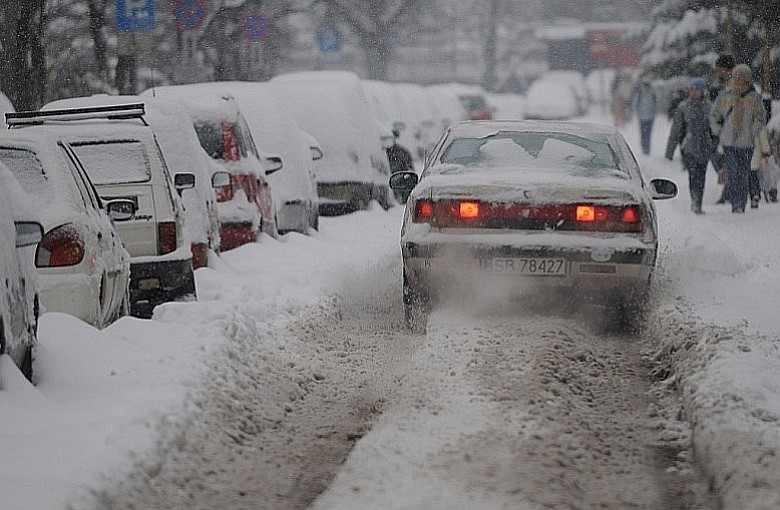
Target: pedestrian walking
{"points": [[737, 117], [645, 104], [691, 131], [721, 74]]}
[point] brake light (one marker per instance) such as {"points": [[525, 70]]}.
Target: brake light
{"points": [[468, 210], [60, 247], [451, 213], [166, 237], [630, 215]]}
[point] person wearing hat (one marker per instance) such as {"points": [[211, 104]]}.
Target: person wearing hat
{"points": [[691, 131], [720, 80], [722, 74], [737, 117]]}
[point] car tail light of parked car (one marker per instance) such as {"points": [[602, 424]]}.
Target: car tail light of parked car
{"points": [[559, 217], [166, 236], [60, 247]]}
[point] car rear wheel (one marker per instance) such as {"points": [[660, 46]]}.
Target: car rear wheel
{"points": [[416, 307]]}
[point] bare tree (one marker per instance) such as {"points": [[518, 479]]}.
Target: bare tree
{"points": [[22, 58], [377, 25]]}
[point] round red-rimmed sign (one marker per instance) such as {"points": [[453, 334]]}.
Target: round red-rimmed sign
{"points": [[189, 14]]}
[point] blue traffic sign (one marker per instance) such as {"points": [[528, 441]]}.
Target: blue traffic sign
{"points": [[256, 27], [189, 14], [134, 15], [329, 40]]}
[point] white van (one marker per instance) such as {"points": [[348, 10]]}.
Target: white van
{"points": [[121, 155]]}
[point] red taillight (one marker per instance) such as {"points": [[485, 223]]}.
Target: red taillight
{"points": [[166, 236], [423, 210], [60, 247], [609, 218], [630, 215], [560, 217]]}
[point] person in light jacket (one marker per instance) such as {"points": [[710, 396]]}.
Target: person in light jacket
{"points": [[737, 117], [645, 104], [691, 130]]}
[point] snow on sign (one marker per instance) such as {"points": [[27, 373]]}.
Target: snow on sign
{"points": [[189, 14], [134, 15], [256, 27]]}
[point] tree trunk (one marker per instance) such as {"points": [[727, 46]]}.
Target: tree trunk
{"points": [[378, 49], [22, 60]]}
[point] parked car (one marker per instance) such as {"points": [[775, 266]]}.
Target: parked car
{"points": [[472, 99], [246, 207], [123, 159], [19, 307], [276, 132], [546, 208], [576, 80], [332, 106], [551, 100], [507, 106], [83, 268], [182, 152]]}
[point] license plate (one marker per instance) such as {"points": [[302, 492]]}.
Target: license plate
{"points": [[524, 266]]}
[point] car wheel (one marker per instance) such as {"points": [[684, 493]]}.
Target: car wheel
{"points": [[416, 307]]}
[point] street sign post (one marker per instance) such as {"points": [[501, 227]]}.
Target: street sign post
{"points": [[134, 15]]}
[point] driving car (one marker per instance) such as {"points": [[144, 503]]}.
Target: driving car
{"points": [[83, 269], [19, 307], [531, 208], [121, 155]]}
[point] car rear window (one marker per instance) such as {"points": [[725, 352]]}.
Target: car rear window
{"points": [[210, 137], [114, 161], [28, 170], [535, 149]]}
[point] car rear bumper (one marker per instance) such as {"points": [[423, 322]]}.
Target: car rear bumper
{"points": [[154, 283], [233, 235], [597, 275], [73, 294]]}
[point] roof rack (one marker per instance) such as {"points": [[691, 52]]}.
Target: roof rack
{"points": [[110, 112]]}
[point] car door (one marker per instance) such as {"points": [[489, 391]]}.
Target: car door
{"points": [[109, 246]]}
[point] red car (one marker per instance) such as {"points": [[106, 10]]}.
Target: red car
{"points": [[245, 206]]}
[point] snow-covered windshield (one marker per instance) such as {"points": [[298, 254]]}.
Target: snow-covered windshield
{"points": [[522, 150], [29, 172], [114, 162]]}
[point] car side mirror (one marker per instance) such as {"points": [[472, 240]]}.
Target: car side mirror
{"points": [[275, 163], [662, 189], [120, 209], [403, 181], [183, 180], [316, 153], [220, 179], [28, 233]]}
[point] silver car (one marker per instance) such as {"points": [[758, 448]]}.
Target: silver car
{"points": [[533, 208]]}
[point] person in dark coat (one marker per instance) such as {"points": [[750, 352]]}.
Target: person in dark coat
{"points": [[645, 104], [691, 131], [399, 156]]}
